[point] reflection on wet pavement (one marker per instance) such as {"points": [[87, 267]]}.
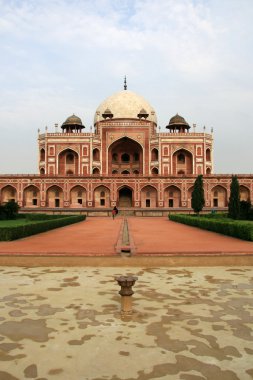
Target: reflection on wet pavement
{"points": [[187, 323]]}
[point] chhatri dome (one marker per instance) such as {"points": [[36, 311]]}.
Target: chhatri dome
{"points": [[125, 105]]}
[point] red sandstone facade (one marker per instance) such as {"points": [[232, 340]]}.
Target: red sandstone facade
{"points": [[124, 162]]}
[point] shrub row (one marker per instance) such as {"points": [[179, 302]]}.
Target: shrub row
{"points": [[239, 229], [37, 217], [32, 228]]}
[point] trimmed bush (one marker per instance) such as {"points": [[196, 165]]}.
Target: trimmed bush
{"points": [[37, 217], [32, 227], [240, 229]]}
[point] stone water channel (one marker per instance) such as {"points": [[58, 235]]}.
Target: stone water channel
{"points": [[65, 323]]}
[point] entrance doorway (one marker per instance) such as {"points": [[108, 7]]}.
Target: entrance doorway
{"points": [[125, 197]]}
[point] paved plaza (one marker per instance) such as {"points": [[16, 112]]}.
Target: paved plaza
{"points": [[187, 323], [60, 316]]}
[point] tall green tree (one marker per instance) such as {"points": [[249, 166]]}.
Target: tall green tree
{"points": [[234, 199], [198, 198]]}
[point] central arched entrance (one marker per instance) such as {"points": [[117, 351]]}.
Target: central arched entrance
{"points": [[125, 197], [125, 156]]}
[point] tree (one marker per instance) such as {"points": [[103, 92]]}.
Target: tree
{"points": [[234, 199], [198, 199], [11, 209]]}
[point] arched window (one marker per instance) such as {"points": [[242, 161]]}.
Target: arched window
{"points": [[69, 172], [154, 155], [208, 171], [42, 154], [181, 158], [136, 172], [208, 155], [96, 154], [42, 171], [154, 171], [115, 157], [125, 172], [180, 172], [125, 157], [115, 172], [95, 171]]}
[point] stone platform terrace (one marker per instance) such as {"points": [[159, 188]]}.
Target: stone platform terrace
{"points": [[149, 241], [187, 324]]}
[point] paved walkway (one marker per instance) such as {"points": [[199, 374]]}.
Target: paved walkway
{"points": [[101, 236]]}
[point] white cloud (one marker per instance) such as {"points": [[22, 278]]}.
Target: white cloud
{"points": [[188, 56]]}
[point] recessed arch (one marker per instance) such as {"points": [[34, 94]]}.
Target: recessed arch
{"points": [[54, 196], [154, 171], [8, 193], [96, 171], [244, 193], [218, 196], [31, 196], [68, 162], [42, 154], [96, 154], [154, 154], [78, 196], [148, 196], [125, 196], [101, 196], [125, 154], [208, 154], [172, 196], [208, 171], [182, 161]]}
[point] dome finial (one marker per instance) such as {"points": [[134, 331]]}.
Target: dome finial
{"points": [[125, 84]]}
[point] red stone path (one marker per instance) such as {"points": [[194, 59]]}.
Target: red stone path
{"points": [[161, 236], [99, 236]]}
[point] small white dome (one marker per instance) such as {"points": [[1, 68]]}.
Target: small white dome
{"points": [[125, 104]]}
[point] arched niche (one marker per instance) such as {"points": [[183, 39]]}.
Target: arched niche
{"points": [[172, 196], [54, 196], [148, 197], [218, 196], [154, 154], [96, 171], [68, 162], [101, 197], [31, 196], [244, 193], [8, 193], [182, 161], [42, 154], [154, 171], [208, 154], [125, 154], [78, 197], [96, 154], [125, 197]]}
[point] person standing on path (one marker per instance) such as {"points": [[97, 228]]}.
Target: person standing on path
{"points": [[114, 212]]}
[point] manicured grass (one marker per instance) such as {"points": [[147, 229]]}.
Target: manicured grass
{"points": [[242, 229], [13, 223]]}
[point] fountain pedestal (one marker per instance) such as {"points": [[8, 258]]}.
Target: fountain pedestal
{"points": [[126, 292]]}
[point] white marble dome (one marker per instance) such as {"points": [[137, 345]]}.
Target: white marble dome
{"points": [[125, 104]]}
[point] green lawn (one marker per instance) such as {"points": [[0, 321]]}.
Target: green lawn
{"points": [[13, 223]]}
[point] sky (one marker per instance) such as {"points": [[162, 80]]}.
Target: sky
{"points": [[192, 57]]}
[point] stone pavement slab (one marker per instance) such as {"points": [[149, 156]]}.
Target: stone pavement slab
{"points": [[65, 324]]}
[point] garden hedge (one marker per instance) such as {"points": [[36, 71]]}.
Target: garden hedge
{"points": [[32, 228], [236, 228]]}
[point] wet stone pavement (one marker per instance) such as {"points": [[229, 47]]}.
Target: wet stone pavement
{"points": [[187, 323]]}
